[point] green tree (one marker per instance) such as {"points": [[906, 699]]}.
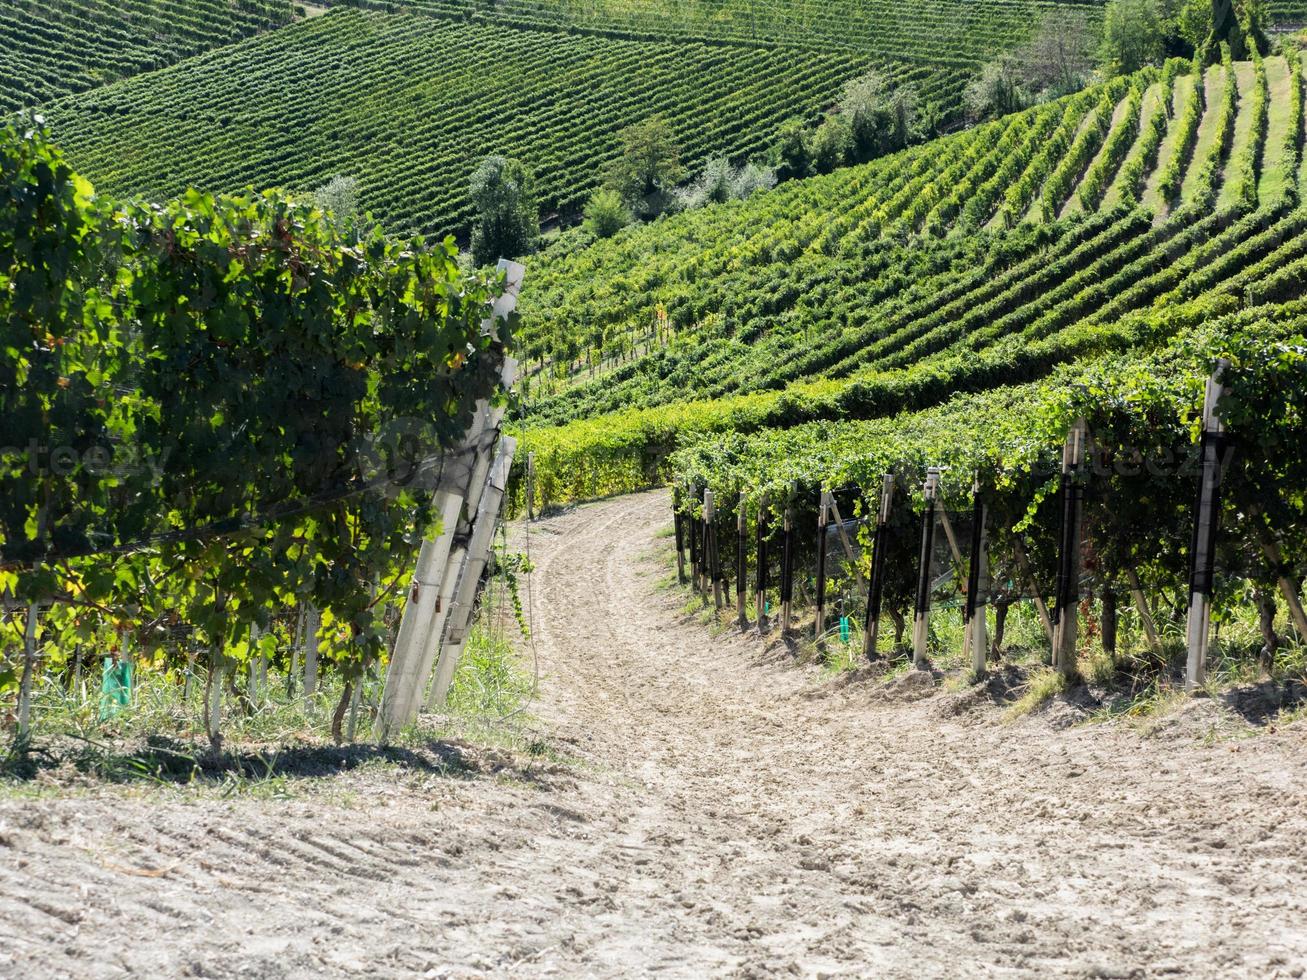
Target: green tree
{"points": [[880, 119], [791, 150], [1236, 23], [1059, 58], [831, 144], [606, 213], [998, 90], [1187, 25], [650, 160], [721, 182], [1133, 36], [507, 222], [339, 198]]}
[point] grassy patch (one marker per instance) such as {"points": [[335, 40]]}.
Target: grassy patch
{"points": [[276, 742], [1042, 686]]}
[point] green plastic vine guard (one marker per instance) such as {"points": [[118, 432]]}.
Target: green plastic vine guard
{"points": [[115, 687], [844, 629]]}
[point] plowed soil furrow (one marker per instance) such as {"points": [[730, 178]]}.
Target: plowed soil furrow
{"points": [[731, 814]]}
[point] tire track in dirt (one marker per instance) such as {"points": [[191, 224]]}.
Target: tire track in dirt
{"points": [[732, 814]]}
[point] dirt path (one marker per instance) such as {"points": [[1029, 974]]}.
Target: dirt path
{"points": [[733, 814]]}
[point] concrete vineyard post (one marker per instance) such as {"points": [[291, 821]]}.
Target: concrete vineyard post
{"points": [[822, 525], [741, 562], [921, 620], [295, 652], [312, 623], [435, 636], [760, 583], [787, 572], [707, 560], [411, 663], [1065, 624], [29, 668], [479, 549], [876, 586], [263, 669], [442, 561], [1202, 550], [213, 695], [977, 586]]}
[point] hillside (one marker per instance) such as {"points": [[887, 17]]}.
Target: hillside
{"points": [[409, 105], [871, 543], [953, 32], [53, 47], [408, 97], [1096, 223]]}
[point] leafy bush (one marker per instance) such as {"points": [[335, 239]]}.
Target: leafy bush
{"points": [[606, 213]]}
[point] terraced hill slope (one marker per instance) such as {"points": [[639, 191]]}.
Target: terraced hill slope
{"points": [[954, 32], [1101, 222], [409, 104], [51, 47], [406, 97]]}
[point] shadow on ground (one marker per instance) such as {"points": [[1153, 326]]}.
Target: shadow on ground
{"points": [[162, 759]]}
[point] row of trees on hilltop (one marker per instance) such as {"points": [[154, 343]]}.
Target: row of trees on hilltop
{"points": [[1066, 51]]}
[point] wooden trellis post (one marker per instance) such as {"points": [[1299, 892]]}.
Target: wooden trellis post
{"points": [[1141, 607], [252, 667], [741, 562], [977, 586], [1287, 586], [921, 621], [787, 573], [693, 531], [823, 522], [761, 579], [1023, 565], [530, 486], [679, 526], [710, 547], [845, 543], [1202, 550], [1069, 563], [876, 587]]}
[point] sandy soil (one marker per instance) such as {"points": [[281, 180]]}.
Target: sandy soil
{"points": [[730, 814]]}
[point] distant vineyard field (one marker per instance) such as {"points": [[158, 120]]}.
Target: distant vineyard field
{"points": [[49, 48], [408, 105], [1102, 222], [1288, 11], [954, 32]]}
